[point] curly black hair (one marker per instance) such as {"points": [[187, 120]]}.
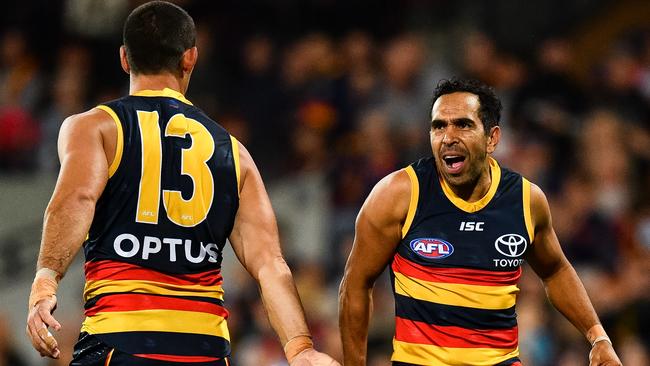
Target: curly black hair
{"points": [[490, 110]]}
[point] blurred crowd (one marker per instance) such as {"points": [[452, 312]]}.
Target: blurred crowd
{"points": [[327, 113]]}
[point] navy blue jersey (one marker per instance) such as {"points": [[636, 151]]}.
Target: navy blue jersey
{"points": [[456, 269], [154, 250]]}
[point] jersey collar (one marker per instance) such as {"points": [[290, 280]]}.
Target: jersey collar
{"points": [[169, 93], [466, 206]]}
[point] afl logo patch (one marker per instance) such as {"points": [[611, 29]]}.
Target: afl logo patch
{"points": [[511, 245], [430, 248]]}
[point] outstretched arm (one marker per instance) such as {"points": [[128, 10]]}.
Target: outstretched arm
{"points": [[563, 287], [378, 232], [82, 178], [256, 243]]}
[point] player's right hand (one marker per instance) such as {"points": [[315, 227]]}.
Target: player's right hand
{"points": [[39, 319], [603, 354], [311, 357]]}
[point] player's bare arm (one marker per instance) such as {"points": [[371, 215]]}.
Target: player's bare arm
{"points": [[85, 152], [378, 232], [256, 243], [563, 287]]}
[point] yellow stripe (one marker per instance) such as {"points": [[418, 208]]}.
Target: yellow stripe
{"points": [[235, 155], [119, 146], [94, 288], [413, 204], [424, 354], [527, 216], [170, 93], [151, 155], [174, 321], [472, 296], [495, 172]]}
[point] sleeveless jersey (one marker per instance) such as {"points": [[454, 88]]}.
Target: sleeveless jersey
{"points": [[154, 249], [455, 271]]}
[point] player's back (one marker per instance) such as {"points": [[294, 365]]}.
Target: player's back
{"points": [[153, 253]]}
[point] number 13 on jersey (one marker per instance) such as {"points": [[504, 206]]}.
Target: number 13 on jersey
{"points": [[194, 160]]}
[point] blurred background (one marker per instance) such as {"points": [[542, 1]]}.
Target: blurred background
{"points": [[330, 96]]}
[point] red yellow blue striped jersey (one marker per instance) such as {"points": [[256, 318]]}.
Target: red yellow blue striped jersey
{"points": [[154, 249], [455, 271]]}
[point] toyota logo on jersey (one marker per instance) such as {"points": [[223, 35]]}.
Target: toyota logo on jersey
{"points": [[511, 245], [430, 248]]}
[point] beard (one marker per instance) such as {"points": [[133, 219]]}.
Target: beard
{"points": [[469, 175]]}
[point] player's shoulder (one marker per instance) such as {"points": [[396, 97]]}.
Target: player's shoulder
{"points": [[401, 181], [246, 161], [539, 207], [94, 120], [423, 165], [396, 183], [91, 116], [391, 193], [536, 193]]}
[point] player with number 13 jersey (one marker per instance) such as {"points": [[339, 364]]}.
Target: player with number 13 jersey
{"points": [[151, 188], [155, 265]]}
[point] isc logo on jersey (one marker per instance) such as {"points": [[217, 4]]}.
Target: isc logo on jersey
{"points": [[430, 248]]}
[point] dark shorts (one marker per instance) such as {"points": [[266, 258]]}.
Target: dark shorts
{"points": [[90, 351]]}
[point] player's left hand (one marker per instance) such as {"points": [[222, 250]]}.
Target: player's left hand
{"points": [[311, 357], [39, 319], [603, 354]]}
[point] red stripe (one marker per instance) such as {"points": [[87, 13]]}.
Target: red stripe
{"points": [[449, 336], [133, 302], [174, 358], [113, 270], [455, 275]]}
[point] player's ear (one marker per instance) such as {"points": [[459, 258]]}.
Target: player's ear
{"points": [[493, 139], [190, 56], [124, 61]]}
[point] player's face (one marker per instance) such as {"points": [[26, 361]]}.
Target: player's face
{"points": [[460, 145]]}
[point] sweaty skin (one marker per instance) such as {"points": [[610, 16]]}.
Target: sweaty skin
{"points": [[456, 130], [87, 146]]}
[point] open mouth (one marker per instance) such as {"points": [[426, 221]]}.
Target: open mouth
{"points": [[454, 163]]}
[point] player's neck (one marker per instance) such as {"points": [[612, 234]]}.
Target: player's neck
{"points": [[476, 189], [156, 82]]}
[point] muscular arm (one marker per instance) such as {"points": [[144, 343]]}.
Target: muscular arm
{"points": [[256, 243], [563, 287], [378, 232], [82, 178], [84, 140]]}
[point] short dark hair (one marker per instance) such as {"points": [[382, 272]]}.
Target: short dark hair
{"points": [[490, 106], [156, 35]]}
